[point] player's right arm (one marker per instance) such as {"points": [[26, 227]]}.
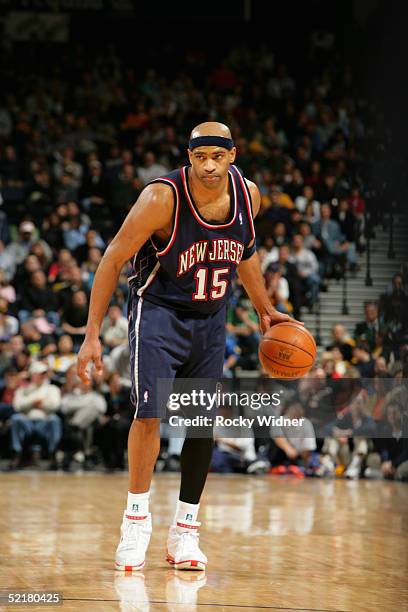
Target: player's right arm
{"points": [[152, 213]]}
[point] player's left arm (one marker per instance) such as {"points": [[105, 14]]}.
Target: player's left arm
{"points": [[249, 271]]}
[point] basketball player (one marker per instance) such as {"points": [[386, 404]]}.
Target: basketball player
{"points": [[186, 236]]}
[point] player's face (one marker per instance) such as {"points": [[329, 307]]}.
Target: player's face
{"points": [[211, 164]]}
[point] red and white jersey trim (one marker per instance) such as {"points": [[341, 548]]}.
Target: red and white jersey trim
{"points": [[248, 201], [168, 246]]}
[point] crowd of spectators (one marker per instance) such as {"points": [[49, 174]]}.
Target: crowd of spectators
{"points": [[353, 402], [78, 142]]}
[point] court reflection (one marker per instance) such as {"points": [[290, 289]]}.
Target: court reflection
{"points": [[246, 511], [317, 543], [132, 593], [181, 591]]}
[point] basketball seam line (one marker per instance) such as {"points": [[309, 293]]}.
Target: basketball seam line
{"points": [[299, 328], [285, 342], [284, 364]]}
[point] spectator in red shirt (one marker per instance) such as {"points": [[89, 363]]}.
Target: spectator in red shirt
{"points": [[357, 204]]}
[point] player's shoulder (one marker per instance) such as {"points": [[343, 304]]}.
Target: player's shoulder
{"points": [[251, 186], [158, 192], [156, 200], [253, 189], [165, 185], [255, 196]]}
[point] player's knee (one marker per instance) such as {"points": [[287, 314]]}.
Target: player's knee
{"points": [[148, 424]]}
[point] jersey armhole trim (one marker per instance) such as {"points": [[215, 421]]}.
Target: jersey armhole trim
{"points": [[248, 201], [172, 238]]}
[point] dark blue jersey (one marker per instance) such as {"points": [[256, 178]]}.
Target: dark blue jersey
{"points": [[194, 270]]}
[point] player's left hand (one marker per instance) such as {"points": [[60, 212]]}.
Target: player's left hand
{"points": [[266, 320]]}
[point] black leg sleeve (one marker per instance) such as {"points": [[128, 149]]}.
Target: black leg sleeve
{"points": [[195, 462]]}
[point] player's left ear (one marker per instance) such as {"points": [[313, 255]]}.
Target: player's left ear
{"points": [[232, 155]]}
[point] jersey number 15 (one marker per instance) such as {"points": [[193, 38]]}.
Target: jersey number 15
{"points": [[218, 284]]}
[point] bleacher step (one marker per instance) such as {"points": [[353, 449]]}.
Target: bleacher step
{"points": [[381, 271]]}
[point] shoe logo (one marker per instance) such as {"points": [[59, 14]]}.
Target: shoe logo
{"points": [[189, 517]]}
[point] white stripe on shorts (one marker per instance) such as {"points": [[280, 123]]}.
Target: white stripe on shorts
{"points": [[136, 364]]}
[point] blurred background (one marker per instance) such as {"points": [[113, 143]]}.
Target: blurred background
{"points": [[97, 98]]}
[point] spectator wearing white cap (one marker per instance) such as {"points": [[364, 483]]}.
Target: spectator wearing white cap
{"points": [[20, 248], [35, 406]]}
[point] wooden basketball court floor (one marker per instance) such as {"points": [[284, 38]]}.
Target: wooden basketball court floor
{"points": [[273, 544]]}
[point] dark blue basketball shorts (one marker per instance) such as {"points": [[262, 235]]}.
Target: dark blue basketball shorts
{"points": [[167, 344]]}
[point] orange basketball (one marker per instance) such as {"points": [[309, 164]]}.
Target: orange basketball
{"points": [[287, 350]]}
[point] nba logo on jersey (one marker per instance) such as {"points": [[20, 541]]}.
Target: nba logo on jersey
{"points": [[146, 397], [240, 218]]}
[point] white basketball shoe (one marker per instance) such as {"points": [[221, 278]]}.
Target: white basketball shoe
{"points": [[135, 535], [183, 551]]}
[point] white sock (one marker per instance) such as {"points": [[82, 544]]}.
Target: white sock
{"points": [[138, 503], [186, 513]]}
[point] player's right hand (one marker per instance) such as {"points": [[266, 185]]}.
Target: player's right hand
{"points": [[90, 351]]}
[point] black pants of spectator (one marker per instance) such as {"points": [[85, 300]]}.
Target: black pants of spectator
{"points": [[6, 410], [72, 442], [249, 351], [278, 457], [111, 438]]}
